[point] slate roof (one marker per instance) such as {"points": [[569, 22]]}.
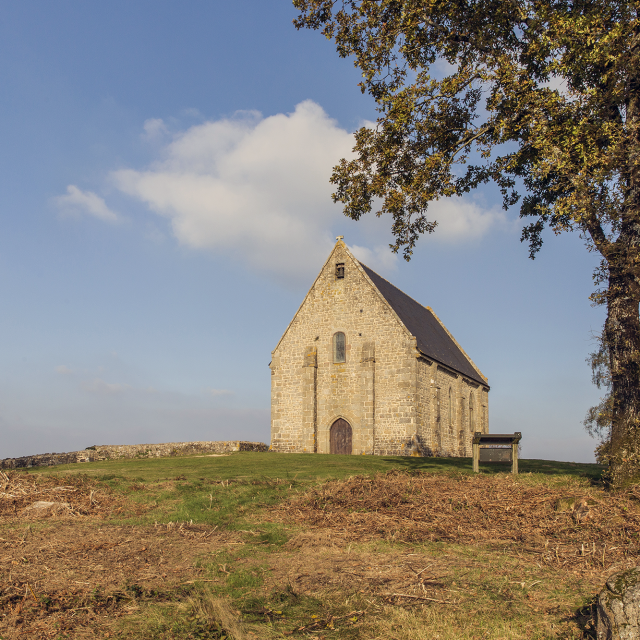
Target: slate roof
{"points": [[433, 341]]}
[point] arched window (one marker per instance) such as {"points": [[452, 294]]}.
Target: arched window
{"points": [[471, 416], [450, 408], [339, 347]]}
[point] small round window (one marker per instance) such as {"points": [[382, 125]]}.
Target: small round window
{"points": [[339, 347]]}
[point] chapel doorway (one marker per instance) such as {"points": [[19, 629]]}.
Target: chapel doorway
{"points": [[340, 437]]}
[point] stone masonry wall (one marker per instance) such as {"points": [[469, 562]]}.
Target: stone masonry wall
{"points": [[452, 408], [396, 400], [376, 384], [426, 407], [114, 452]]}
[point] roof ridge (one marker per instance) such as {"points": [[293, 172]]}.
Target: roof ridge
{"points": [[398, 288], [383, 298], [433, 339], [473, 364]]}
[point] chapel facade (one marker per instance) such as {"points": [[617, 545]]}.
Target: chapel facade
{"points": [[364, 369]]}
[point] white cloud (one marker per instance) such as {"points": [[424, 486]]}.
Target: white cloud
{"points": [[254, 188], [257, 190], [380, 258], [154, 128], [462, 219], [78, 202]]}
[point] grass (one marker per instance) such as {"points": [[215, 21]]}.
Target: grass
{"points": [[224, 491], [487, 592], [301, 466]]}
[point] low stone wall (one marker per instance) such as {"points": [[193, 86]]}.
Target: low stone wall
{"points": [[115, 452]]}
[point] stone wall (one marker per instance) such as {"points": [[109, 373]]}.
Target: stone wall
{"points": [[450, 408], [374, 390], [426, 408], [115, 452], [396, 400]]}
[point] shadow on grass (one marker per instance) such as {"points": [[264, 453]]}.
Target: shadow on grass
{"points": [[547, 467]]}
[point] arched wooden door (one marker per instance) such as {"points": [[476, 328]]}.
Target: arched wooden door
{"points": [[340, 437]]}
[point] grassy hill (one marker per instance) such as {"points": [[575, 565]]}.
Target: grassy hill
{"points": [[266, 545]]}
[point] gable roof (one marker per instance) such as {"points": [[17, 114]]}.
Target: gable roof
{"points": [[433, 340]]}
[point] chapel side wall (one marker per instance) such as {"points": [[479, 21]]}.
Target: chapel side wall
{"points": [[454, 422], [446, 382], [475, 399], [426, 431], [484, 415], [374, 390]]}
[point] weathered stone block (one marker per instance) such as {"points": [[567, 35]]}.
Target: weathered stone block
{"points": [[112, 452], [619, 607]]}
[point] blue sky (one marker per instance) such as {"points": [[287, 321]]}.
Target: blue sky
{"points": [[165, 206]]}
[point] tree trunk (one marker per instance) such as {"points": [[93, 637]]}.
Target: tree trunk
{"points": [[622, 327], [622, 335]]}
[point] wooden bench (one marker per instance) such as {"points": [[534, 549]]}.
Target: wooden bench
{"points": [[492, 447]]}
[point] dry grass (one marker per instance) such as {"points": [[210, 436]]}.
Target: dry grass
{"points": [[73, 496], [443, 589], [218, 611], [581, 527], [80, 577], [202, 615], [70, 572], [399, 555]]}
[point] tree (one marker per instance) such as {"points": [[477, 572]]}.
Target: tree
{"points": [[597, 422], [540, 97]]}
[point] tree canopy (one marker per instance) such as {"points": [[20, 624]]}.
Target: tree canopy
{"points": [[540, 97]]}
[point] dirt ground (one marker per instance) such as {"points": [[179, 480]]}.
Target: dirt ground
{"points": [[80, 576], [68, 573], [334, 564]]}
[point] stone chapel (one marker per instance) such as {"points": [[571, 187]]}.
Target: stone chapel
{"points": [[364, 369]]}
